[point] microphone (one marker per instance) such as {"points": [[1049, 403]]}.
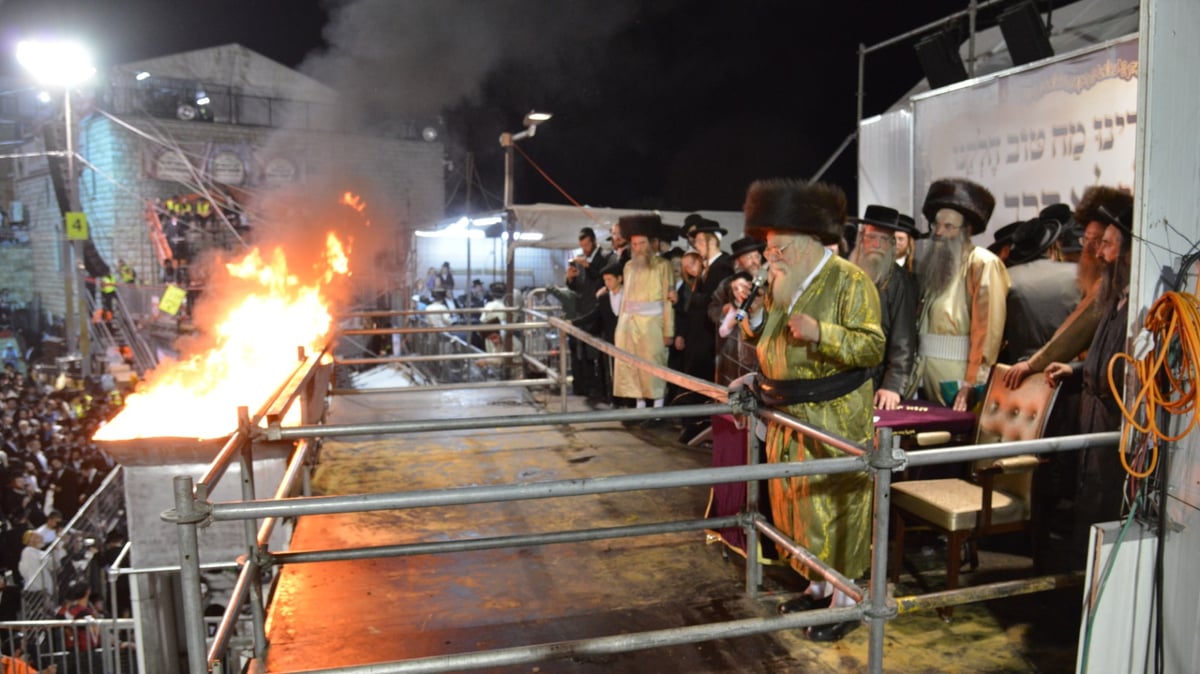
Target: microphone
{"points": [[760, 281]]}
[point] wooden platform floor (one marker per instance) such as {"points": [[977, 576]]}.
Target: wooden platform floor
{"points": [[339, 614]]}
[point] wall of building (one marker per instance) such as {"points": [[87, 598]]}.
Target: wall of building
{"points": [[115, 185]]}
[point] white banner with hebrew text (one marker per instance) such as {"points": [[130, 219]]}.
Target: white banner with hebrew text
{"points": [[1036, 137]]}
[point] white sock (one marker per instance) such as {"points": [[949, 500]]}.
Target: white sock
{"points": [[841, 600], [641, 404], [658, 402], [819, 589]]}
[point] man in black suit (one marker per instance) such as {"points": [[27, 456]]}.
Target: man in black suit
{"points": [[584, 278], [700, 331], [602, 322]]}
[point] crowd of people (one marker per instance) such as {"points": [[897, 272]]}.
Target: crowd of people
{"points": [[50, 469], [835, 317]]}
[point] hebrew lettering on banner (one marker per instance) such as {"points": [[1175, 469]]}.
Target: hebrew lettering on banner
{"points": [[1037, 137]]}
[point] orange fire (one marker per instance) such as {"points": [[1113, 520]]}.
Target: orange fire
{"points": [[254, 351]]}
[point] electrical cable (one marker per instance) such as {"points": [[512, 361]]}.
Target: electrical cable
{"points": [[556, 186], [1174, 318]]}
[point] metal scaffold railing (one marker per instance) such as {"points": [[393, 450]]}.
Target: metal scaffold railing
{"points": [[194, 509]]}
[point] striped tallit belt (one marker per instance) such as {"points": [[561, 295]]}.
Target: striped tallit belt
{"points": [[642, 308], [948, 347]]}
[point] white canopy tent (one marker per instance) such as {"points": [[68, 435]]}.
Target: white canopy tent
{"points": [[557, 226]]}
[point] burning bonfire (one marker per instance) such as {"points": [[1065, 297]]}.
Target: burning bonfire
{"points": [[259, 312]]}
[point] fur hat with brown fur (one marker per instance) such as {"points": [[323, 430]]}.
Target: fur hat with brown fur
{"points": [[648, 225], [1112, 199], [971, 199], [792, 205]]}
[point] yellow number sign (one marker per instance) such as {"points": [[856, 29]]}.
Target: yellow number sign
{"points": [[77, 227]]}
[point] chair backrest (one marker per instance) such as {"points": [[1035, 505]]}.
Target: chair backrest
{"points": [[1009, 415]]}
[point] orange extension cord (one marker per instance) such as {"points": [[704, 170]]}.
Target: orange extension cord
{"points": [[1173, 315]]}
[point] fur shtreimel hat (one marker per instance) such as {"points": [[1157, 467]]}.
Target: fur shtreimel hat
{"points": [[791, 205], [648, 225], [1112, 199], [971, 199]]}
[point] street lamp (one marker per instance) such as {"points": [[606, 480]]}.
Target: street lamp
{"points": [[63, 64], [532, 120]]}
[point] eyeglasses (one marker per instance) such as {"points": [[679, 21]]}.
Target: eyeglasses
{"points": [[878, 239], [946, 227], [776, 252], [1089, 241]]}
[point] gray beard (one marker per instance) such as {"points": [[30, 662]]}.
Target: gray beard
{"points": [[877, 267], [940, 266]]}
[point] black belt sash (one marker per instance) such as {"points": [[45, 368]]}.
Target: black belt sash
{"points": [[781, 393]]}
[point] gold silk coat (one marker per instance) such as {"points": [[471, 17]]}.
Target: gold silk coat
{"points": [[829, 515], [974, 306], [641, 332]]}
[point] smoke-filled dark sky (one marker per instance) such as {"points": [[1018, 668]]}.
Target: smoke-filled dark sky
{"points": [[673, 104]]}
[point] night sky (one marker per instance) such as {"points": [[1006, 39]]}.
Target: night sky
{"points": [[673, 104]]}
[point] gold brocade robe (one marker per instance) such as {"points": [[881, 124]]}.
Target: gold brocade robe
{"points": [[830, 515], [974, 306], [641, 331]]}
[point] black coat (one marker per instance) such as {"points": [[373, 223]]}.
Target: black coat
{"points": [[898, 314], [589, 281], [600, 321]]}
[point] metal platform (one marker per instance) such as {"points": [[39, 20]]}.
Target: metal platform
{"points": [[337, 614]]}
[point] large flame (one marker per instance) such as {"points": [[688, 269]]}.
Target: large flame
{"points": [[255, 349]]}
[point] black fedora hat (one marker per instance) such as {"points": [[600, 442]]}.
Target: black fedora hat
{"points": [[668, 233], [696, 223], [887, 218], [1032, 239], [745, 245], [1004, 236]]}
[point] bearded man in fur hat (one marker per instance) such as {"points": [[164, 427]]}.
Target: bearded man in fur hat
{"points": [[817, 341], [963, 293], [646, 325]]}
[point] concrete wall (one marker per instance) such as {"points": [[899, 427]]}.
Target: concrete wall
{"points": [[114, 187]]}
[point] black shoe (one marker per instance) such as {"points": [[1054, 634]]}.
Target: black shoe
{"points": [[831, 631], [805, 602], [653, 423]]}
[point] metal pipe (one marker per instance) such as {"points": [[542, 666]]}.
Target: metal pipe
{"points": [[497, 542], [423, 359], [833, 157], [881, 465], [810, 560], [562, 371], [591, 416], [187, 516], [413, 312], [702, 386], [257, 615], [818, 434], [229, 618], [141, 571], [321, 505], [466, 327], [754, 573], [929, 457], [972, 14], [502, 383], [931, 25], [976, 593], [621, 643], [294, 468]]}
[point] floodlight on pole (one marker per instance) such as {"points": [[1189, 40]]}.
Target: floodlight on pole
{"points": [[531, 121], [65, 64]]}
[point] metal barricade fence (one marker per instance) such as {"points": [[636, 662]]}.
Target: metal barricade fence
{"points": [[73, 554], [85, 646]]}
